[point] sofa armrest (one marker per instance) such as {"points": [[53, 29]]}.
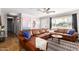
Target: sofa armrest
{"points": [[66, 36], [72, 38], [75, 35]]}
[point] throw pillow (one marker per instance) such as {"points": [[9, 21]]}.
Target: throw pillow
{"points": [[70, 31], [27, 35]]}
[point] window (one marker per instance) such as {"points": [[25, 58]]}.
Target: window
{"points": [[62, 22]]}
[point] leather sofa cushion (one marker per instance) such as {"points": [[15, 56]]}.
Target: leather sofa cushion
{"points": [[42, 31], [61, 30], [43, 35], [35, 32]]}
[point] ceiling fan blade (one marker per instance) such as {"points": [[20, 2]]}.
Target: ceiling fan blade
{"points": [[45, 10], [41, 10], [48, 9], [50, 12]]}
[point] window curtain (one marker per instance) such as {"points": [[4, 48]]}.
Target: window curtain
{"points": [[74, 22]]}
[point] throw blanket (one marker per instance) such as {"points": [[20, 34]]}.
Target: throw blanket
{"points": [[41, 43]]}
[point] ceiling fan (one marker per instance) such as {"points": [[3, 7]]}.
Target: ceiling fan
{"points": [[46, 10]]}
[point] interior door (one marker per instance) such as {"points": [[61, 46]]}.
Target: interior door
{"points": [[10, 25]]}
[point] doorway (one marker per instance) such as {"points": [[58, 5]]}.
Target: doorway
{"points": [[10, 26]]}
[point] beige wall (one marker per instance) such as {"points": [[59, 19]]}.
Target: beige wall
{"points": [[78, 21], [27, 21], [4, 21]]}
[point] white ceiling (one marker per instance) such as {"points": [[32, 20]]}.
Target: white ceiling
{"points": [[35, 13]]}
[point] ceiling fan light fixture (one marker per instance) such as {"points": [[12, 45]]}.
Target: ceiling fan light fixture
{"points": [[46, 10]]}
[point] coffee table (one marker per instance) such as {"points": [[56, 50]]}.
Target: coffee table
{"points": [[59, 37]]}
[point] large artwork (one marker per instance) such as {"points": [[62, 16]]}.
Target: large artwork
{"points": [[35, 23], [30, 23], [26, 23]]}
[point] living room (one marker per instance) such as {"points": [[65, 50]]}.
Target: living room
{"points": [[52, 23]]}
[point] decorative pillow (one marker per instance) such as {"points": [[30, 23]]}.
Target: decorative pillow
{"points": [[71, 31], [27, 35]]}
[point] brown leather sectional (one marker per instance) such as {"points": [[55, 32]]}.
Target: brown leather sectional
{"points": [[30, 44], [42, 33], [72, 38], [45, 34]]}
